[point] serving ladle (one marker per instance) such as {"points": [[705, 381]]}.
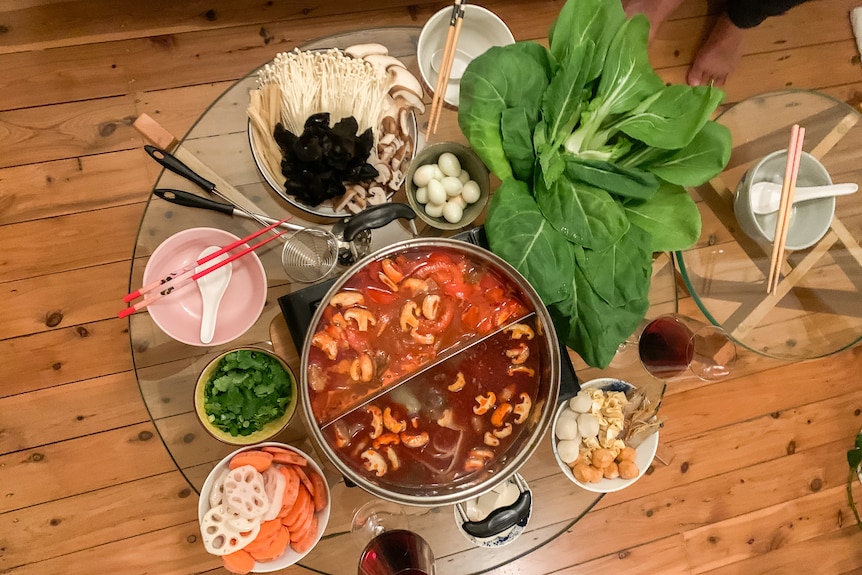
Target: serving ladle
{"points": [[766, 196]]}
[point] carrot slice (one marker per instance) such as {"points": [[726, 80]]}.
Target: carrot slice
{"points": [[299, 506], [302, 531], [305, 480], [306, 543], [321, 499], [258, 459], [276, 546], [291, 490], [303, 517], [288, 457], [240, 561], [268, 531]]}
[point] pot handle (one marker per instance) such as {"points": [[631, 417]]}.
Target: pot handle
{"points": [[500, 519], [376, 217]]}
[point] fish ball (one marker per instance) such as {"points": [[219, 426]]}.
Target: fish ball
{"points": [[422, 195], [449, 164], [602, 458], [569, 450], [581, 402], [453, 212], [588, 425], [612, 471], [628, 469], [567, 425], [627, 454], [434, 210], [471, 192], [452, 186], [423, 175], [436, 193]]}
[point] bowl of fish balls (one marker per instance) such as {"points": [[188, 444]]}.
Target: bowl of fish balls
{"points": [[588, 431], [447, 185]]}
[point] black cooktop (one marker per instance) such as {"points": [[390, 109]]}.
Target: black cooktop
{"points": [[298, 309]]}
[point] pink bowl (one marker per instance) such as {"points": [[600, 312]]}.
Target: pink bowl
{"points": [[179, 315]]}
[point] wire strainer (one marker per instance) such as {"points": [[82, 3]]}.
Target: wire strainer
{"points": [[309, 254]]}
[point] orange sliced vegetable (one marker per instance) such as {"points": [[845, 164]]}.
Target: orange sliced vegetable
{"points": [[287, 457], [305, 480], [299, 535], [258, 459], [268, 531], [299, 505], [320, 496], [291, 490], [302, 546], [276, 547], [239, 561], [303, 518]]}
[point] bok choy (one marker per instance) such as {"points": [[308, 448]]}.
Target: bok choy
{"points": [[594, 152]]}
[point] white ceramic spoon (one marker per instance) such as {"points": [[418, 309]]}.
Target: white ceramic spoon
{"points": [[212, 286], [765, 196]]}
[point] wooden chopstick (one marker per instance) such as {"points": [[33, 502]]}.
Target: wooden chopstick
{"points": [[785, 208], [174, 275], [789, 211], [445, 66]]}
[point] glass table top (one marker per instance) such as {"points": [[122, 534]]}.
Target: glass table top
{"points": [[167, 370], [817, 309]]}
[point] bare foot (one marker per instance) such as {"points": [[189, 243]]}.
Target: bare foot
{"points": [[718, 56], [656, 11]]}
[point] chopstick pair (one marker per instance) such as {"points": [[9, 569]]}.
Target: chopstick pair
{"points": [[446, 61], [187, 275], [785, 206]]}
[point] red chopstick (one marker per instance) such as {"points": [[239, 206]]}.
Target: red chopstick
{"points": [[177, 273], [188, 278]]}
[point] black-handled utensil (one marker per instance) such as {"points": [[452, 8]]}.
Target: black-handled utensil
{"points": [[500, 519], [374, 217], [189, 200], [172, 163]]}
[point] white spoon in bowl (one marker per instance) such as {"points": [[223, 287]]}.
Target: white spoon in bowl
{"points": [[765, 196], [212, 286]]}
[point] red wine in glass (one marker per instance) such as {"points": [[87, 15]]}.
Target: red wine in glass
{"points": [[397, 552], [665, 347]]}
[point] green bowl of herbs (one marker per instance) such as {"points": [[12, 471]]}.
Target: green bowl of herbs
{"points": [[245, 396]]}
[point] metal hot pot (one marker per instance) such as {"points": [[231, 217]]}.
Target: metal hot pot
{"points": [[420, 396]]}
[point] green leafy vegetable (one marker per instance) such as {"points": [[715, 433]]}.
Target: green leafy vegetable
{"points": [[247, 390], [593, 151]]}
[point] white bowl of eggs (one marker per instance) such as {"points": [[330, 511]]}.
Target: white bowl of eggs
{"points": [[447, 185], [587, 441]]}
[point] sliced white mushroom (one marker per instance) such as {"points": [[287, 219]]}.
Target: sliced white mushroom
{"points": [[376, 195], [402, 79], [384, 61], [363, 50], [409, 99], [354, 194]]}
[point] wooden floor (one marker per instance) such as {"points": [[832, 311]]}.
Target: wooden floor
{"points": [[758, 481]]}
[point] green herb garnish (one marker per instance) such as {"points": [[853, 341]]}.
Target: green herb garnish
{"points": [[247, 390], [594, 153]]}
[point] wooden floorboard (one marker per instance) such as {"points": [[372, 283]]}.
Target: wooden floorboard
{"points": [[757, 481]]}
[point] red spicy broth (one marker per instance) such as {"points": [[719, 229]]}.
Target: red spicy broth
{"points": [[449, 422], [396, 315]]}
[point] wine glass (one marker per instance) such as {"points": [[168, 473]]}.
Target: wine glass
{"points": [[671, 346], [389, 547]]}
